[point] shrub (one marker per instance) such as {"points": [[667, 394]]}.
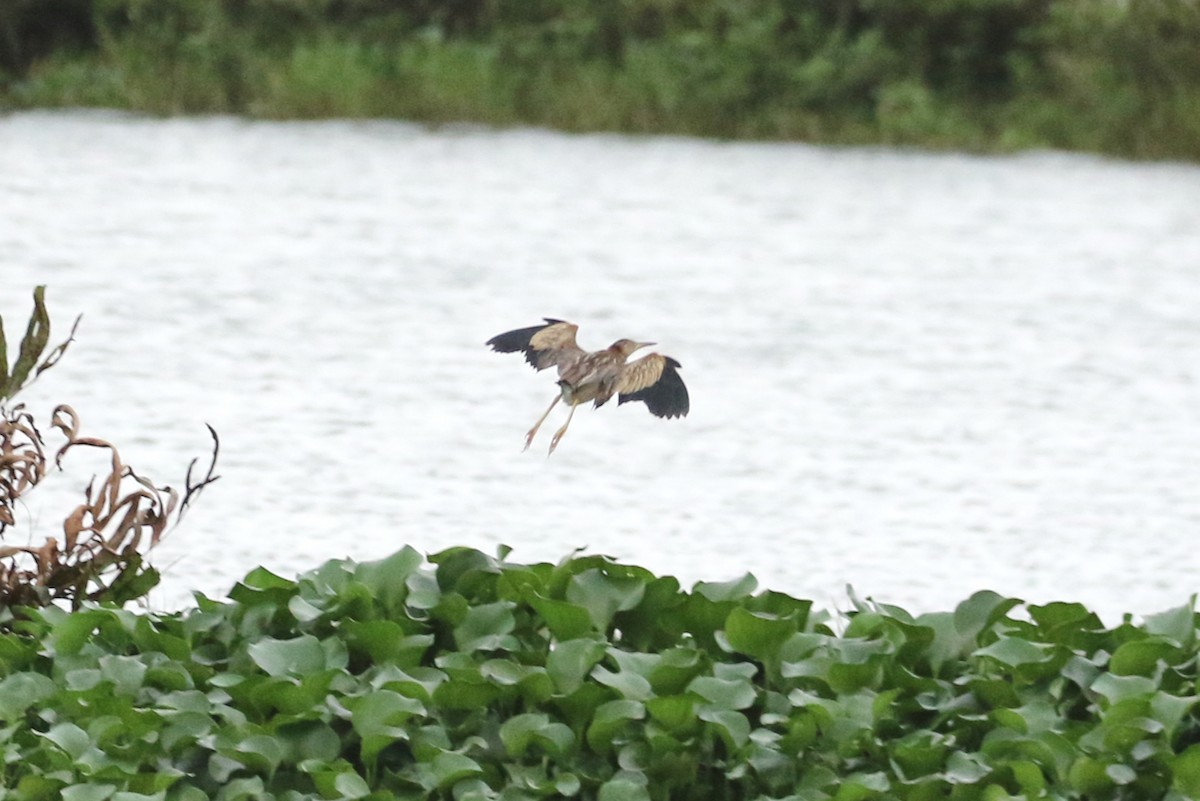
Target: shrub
{"points": [[122, 516]]}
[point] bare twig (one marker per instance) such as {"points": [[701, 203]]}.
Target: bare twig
{"points": [[122, 515]]}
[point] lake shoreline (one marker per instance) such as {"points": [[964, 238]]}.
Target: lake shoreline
{"points": [[1069, 76]]}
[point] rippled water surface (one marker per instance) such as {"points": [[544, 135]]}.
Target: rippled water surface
{"points": [[918, 374]]}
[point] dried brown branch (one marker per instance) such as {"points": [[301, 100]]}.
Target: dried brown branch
{"points": [[22, 460], [105, 538]]}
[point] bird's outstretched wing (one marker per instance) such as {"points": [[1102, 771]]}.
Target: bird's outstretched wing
{"points": [[544, 345], [655, 380]]}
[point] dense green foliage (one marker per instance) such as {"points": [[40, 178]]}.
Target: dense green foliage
{"points": [[1119, 77], [477, 678]]}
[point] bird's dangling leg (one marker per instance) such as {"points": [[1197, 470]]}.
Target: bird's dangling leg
{"points": [[533, 431], [558, 434]]}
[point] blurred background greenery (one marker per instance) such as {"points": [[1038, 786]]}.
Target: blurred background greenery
{"points": [[1113, 76]]}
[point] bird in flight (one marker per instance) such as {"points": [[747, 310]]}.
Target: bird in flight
{"points": [[596, 376]]}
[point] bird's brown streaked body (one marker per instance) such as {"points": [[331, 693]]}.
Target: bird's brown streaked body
{"points": [[598, 375]]}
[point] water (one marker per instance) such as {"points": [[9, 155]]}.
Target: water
{"points": [[919, 374]]}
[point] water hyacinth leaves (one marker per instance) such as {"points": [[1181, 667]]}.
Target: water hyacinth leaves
{"points": [[521, 732], [466, 676]]}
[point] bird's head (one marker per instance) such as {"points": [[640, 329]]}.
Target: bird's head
{"points": [[626, 347]]}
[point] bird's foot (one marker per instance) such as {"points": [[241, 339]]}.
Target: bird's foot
{"points": [[554, 442], [529, 439]]}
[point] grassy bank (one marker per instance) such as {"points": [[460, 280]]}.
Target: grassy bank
{"points": [[1118, 78], [469, 677]]}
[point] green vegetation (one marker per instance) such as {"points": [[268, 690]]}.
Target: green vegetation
{"points": [[469, 677], [1100, 75]]}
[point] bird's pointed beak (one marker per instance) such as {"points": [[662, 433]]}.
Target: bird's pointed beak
{"points": [[646, 344]]}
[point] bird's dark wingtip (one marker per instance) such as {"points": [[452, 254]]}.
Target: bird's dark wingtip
{"points": [[521, 339], [512, 341], [667, 397]]}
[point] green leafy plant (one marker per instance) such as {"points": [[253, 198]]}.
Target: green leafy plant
{"points": [[33, 345], [102, 553], [468, 676]]}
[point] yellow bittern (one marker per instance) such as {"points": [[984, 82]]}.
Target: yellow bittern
{"points": [[596, 376]]}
